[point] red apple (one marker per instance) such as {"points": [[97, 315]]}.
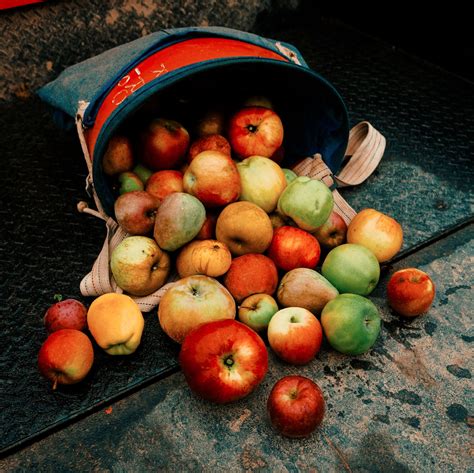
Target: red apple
{"points": [[208, 229], [213, 178], [68, 313], [209, 143], [163, 144], [223, 361], [410, 292], [66, 357], [250, 274], [296, 406], [136, 211], [292, 248], [295, 335], [255, 131], [332, 232], [162, 183]]}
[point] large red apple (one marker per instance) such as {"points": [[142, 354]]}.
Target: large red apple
{"points": [[292, 247], [410, 292], [69, 313], [66, 357], [255, 131], [295, 335], [223, 361], [213, 178], [296, 406], [163, 144], [136, 212], [332, 232], [163, 183]]}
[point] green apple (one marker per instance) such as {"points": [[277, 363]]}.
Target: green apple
{"points": [[142, 172], [129, 182], [262, 182], [351, 323], [352, 268], [307, 201], [290, 175], [257, 310]]}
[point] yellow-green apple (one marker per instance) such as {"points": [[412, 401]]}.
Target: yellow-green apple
{"points": [[129, 182], [143, 173], [68, 313], [296, 406], [257, 310], [223, 361], [307, 201], [258, 101], [245, 228], [351, 323], [163, 144], [139, 266], [295, 335], [378, 232], [262, 182], [289, 175], [351, 268], [208, 257], [213, 178], [304, 287], [208, 229], [209, 143], [178, 220], [116, 323], [255, 131], [66, 357], [292, 247], [136, 211], [332, 232], [118, 157], [249, 274], [163, 183], [410, 292], [193, 301], [211, 123]]}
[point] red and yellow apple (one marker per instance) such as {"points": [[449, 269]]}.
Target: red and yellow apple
{"points": [[223, 361], [68, 313], [296, 406], [410, 292], [249, 274], [262, 182], [192, 301], [332, 232], [245, 228], [136, 211], [292, 247], [213, 178], [163, 183], [255, 131], [209, 143], [295, 335], [378, 232], [66, 357], [256, 311]]}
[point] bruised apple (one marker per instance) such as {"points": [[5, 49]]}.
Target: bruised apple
{"points": [[223, 361]]}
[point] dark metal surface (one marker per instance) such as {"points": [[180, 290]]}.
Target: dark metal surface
{"points": [[425, 181]]}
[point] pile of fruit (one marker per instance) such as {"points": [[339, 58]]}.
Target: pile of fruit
{"points": [[245, 237]]}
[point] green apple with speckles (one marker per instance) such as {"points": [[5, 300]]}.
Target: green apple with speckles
{"points": [[307, 201], [351, 323], [352, 268]]}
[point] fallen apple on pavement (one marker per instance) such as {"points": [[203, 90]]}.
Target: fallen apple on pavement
{"points": [[67, 313]]}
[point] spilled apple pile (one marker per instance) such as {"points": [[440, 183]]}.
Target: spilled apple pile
{"points": [[245, 236]]}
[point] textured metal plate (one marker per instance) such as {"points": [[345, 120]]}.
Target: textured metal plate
{"points": [[425, 181]]}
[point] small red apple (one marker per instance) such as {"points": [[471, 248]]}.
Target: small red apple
{"points": [[209, 143], [66, 357], [68, 313], [162, 183], [163, 144], [255, 131], [136, 211], [208, 229], [292, 247], [296, 406], [332, 232], [118, 157], [295, 335], [223, 361], [410, 292]]}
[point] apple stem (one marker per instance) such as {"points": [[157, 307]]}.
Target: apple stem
{"points": [[55, 384]]}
